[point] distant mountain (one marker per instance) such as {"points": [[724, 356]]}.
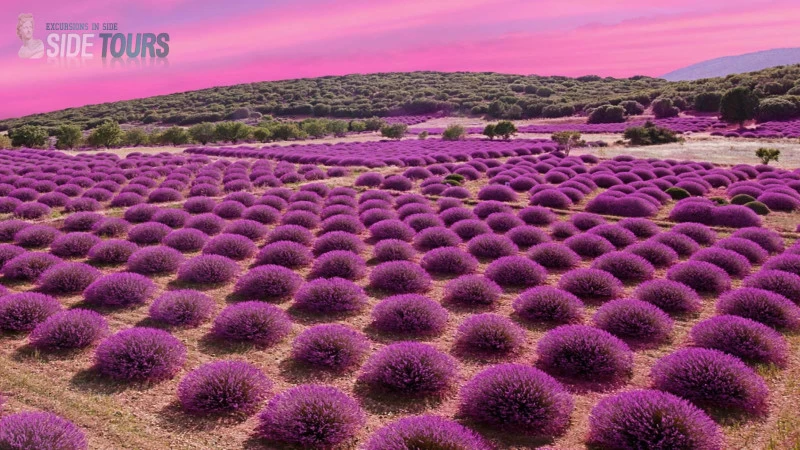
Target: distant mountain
{"points": [[749, 62]]}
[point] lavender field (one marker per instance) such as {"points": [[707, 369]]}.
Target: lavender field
{"points": [[391, 295]]}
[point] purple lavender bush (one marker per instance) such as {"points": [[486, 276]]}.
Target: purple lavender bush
{"points": [[40, 430], [140, 354], [331, 347], [69, 330], [409, 369], [255, 322], [223, 387]]}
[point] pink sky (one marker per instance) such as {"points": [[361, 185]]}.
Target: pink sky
{"points": [[215, 42]]}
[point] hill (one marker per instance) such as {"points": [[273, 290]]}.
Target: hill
{"points": [[727, 65]]}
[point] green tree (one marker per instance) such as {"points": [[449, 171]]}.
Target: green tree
{"points": [[203, 132], [765, 155], [374, 123], [175, 136], [231, 131], [489, 130], [505, 129], [284, 131], [337, 128], [396, 131], [707, 101], [738, 105], [650, 134], [31, 136], [663, 108], [358, 126], [262, 134], [607, 114], [107, 135], [315, 128], [68, 136], [454, 132], [135, 137], [567, 139]]}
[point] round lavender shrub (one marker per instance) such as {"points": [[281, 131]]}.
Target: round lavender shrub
{"points": [[537, 215], [705, 278], [548, 304], [9, 228], [157, 260], [69, 330], [330, 295], [489, 335], [651, 419], [399, 277], [208, 223], [409, 314], [517, 399], [449, 261], [140, 354], [40, 430], [186, 240], [184, 307], [634, 320], [670, 296], [231, 246], [434, 431], [338, 241], [582, 353], [393, 250], [9, 252], [585, 221], [67, 278], [31, 211], [331, 347], [223, 387], [113, 251], [73, 245], [769, 308], [369, 179], [786, 262], [229, 209], [28, 266], [683, 245], [435, 237], [199, 205], [497, 192], [36, 236], [24, 311], [516, 272], [777, 281], [698, 232], [767, 239], [471, 291], [269, 283], [656, 253], [553, 256], [591, 284], [284, 253], [255, 322], [140, 213], [391, 229], [491, 246], [311, 416], [420, 222], [409, 369], [173, 218], [746, 339], [626, 267], [527, 236], [589, 245], [339, 264], [712, 380], [640, 227], [119, 289], [469, 228], [264, 214], [731, 262]]}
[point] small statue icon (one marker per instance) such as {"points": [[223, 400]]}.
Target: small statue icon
{"points": [[31, 48]]}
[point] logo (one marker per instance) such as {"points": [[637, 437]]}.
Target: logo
{"points": [[32, 48]]}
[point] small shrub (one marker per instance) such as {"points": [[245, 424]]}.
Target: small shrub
{"points": [[69, 330], [330, 347], [711, 380], [311, 416], [777, 281], [731, 262], [67, 278], [472, 290], [184, 307], [28, 266], [747, 248], [155, 260], [119, 289], [330, 295], [516, 271], [705, 278], [591, 284], [268, 282], [651, 419], [449, 261], [223, 387], [393, 250], [140, 354], [489, 335], [746, 339], [24, 311], [40, 430], [670, 296], [584, 354], [254, 322], [624, 266], [73, 245], [409, 314], [36, 236], [517, 399], [438, 432], [284, 253], [634, 320], [399, 277], [409, 369]]}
